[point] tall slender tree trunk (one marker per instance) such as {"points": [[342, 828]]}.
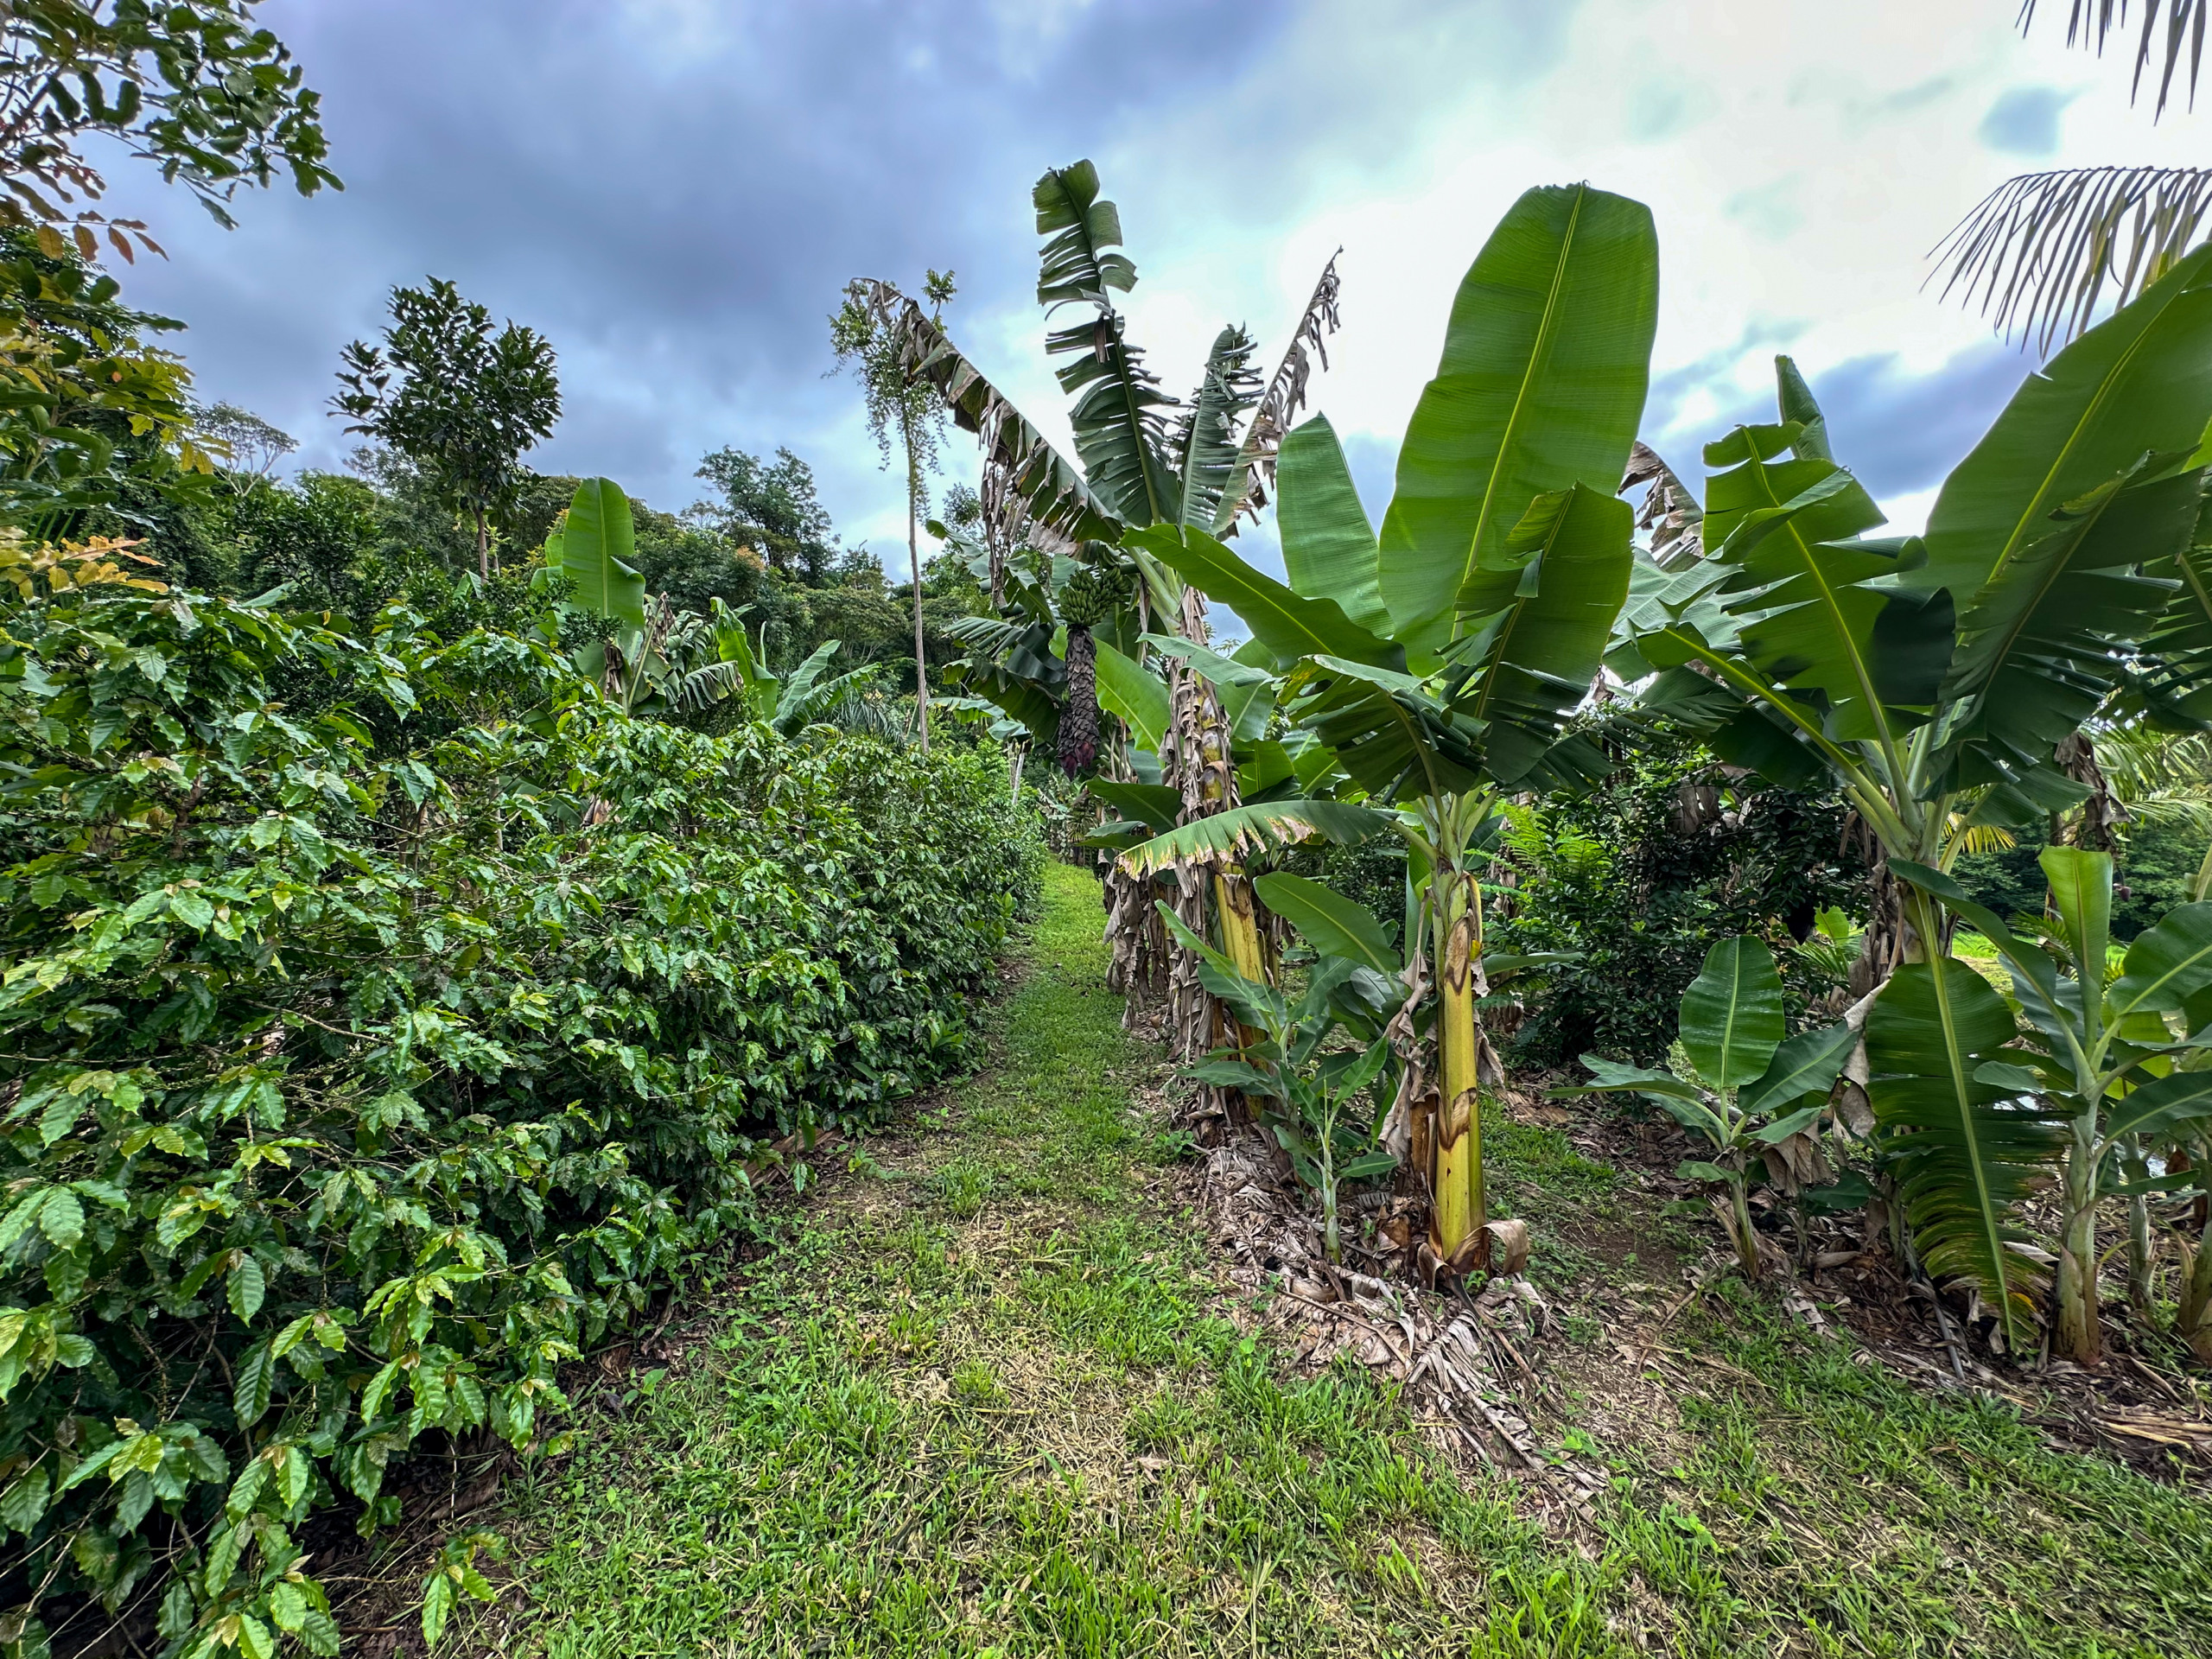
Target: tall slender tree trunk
{"points": [[914, 568], [483, 546]]}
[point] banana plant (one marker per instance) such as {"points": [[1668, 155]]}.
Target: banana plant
{"points": [[2089, 1069], [1146, 459], [1313, 1089], [1436, 664], [1733, 1079], [1932, 678], [715, 659]]}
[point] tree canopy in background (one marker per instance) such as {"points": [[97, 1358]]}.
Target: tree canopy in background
{"points": [[772, 506], [462, 404]]}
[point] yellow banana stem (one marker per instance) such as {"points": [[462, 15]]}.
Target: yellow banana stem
{"points": [[1461, 1204], [1240, 927]]}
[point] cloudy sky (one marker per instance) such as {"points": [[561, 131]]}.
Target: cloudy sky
{"points": [[675, 191]]}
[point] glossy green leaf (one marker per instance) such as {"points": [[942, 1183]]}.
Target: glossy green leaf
{"points": [[1155, 804], [2179, 1097], [1806, 1063], [2081, 892], [1389, 731], [2048, 639], [1541, 386], [1330, 922], [1121, 435], [1289, 626], [1207, 434], [1538, 617], [1731, 1016], [1132, 692], [598, 547], [1328, 546], [1963, 1152], [2139, 383], [2167, 964]]}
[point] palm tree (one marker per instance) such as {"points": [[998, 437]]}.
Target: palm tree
{"points": [[2044, 250]]}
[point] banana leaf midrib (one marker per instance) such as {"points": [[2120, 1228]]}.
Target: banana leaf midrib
{"points": [[2038, 503], [1962, 1096], [1861, 672], [1539, 353]]}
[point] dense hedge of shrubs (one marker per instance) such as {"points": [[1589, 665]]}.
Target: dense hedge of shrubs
{"points": [[365, 1057], [1636, 878]]}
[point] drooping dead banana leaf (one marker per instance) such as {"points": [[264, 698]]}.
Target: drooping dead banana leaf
{"points": [[1254, 475], [1670, 511]]}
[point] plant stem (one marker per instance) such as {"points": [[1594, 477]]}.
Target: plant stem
{"points": [[2195, 1324], [1461, 1203], [914, 566], [2079, 1337], [1747, 1245]]}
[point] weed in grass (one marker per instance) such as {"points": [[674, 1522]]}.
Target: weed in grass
{"points": [[962, 1186]]}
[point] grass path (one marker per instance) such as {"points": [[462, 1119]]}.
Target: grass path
{"points": [[982, 1404]]}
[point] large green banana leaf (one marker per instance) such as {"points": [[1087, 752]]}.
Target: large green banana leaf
{"points": [[1154, 805], [1795, 399], [1021, 699], [2047, 639], [1207, 435], [1538, 613], [2176, 658], [1791, 614], [2139, 383], [1121, 436], [2167, 964], [1813, 621], [597, 544], [1332, 924], [1134, 692], [1545, 363], [1965, 1148], [1288, 625], [1328, 546], [1390, 733], [1731, 1016]]}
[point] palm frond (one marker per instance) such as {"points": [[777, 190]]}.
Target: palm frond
{"points": [[2042, 252], [1976, 838], [2089, 22], [2162, 778], [1255, 472], [1027, 479]]}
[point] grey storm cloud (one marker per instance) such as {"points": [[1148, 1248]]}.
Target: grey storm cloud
{"points": [[674, 195], [675, 191]]}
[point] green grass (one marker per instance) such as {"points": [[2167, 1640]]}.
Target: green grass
{"points": [[984, 1403]]}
